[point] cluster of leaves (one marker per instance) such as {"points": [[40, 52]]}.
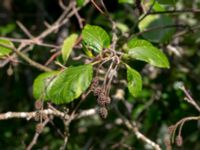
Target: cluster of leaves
{"points": [[63, 86]]}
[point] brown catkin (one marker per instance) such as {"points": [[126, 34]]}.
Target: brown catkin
{"points": [[101, 99], [97, 91], [101, 102], [103, 112], [179, 140], [39, 128], [38, 104]]}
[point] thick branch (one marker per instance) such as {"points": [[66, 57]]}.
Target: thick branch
{"points": [[30, 115], [57, 113]]}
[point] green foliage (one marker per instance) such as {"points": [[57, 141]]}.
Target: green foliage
{"points": [[67, 46], [126, 1], [80, 3], [122, 27], [4, 30], [70, 84], [134, 81], [169, 2], [159, 104], [63, 87], [145, 51], [95, 38], [4, 51], [41, 83], [157, 24]]}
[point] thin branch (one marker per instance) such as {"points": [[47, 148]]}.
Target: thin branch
{"points": [[175, 11], [189, 98], [138, 5], [60, 21], [141, 136], [52, 58], [65, 142], [97, 7], [114, 26], [62, 5], [80, 20], [131, 126], [31, 41], [138, 134], [36, 136], [182, 122], [24, 29], [27, 59], [147, 13], [31, 62], [159, 28]]}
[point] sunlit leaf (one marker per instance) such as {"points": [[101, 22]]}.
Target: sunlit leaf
{"points": [[4, 50], [80, 3], [67, 46], [158, 26], [4, 30], [126, 1], [169, 2], [122, 27], [145, 51], [95, 38], [134, 81], [41, 83], [70, 84]]}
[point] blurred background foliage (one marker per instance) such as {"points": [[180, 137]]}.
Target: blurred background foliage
{"points": [[160, 104]]}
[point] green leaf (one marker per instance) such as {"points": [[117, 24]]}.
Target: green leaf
{"points": [[137, 43], [134, 81], [70, 84], [4, 50], [126, 1], [87, 51], [80, 3], [122, 27], [168, 2], [67, 46], [95, 38], [145, 51], [159, 23], [156, 6], [4, 30], [41, 83]]}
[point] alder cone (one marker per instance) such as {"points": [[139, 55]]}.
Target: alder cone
{"points": [[38, 104], [103, 112], [39, 128], [101, 101], [97, 91], [179, 140]]}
